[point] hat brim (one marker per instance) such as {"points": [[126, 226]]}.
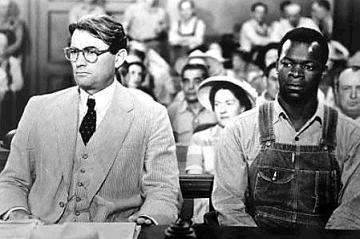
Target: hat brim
{"points": [[206, 86]]}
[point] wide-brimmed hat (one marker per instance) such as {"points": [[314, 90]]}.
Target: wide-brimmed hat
{"points": [[206, 86]]}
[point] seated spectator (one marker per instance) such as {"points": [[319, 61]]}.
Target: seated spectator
{"points": [[188, 32], [147, 22], [272, 85], [158, 68], [215, 61], [293, 20], [186, 113], [240, 65], [12, 53], [134, 74], [338, 56], [347, 92], [266, 55], [86, 8], [254, 32], [321, 15], [227, 97]]}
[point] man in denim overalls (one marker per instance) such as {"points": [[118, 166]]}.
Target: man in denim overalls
{"points": [[293, 162]]}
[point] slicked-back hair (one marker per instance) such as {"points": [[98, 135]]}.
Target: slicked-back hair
{"points": [[307, 35], [104, 28], [257, 4], [204, 69]]}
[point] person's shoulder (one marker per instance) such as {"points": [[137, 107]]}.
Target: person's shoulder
{"points": [[49, 97], [174, 106], [347, 125], [142, 101]]}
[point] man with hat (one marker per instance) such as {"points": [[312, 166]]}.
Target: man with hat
{"points": [[293, 162]]}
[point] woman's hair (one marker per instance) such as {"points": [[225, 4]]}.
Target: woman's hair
{"points": [[238, 92]]}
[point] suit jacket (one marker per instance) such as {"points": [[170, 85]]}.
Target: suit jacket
{"points": [[135, 167]]}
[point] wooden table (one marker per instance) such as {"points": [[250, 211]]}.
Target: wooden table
{"points": [[208, 232]]}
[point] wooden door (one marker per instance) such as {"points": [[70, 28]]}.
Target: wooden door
{"points": [[52, 71]]}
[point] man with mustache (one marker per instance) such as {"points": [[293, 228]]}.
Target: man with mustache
{"points": [[95, 152], [293, 162]]}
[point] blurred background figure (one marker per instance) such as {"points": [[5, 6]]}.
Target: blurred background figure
{"points": [[321, 15], [12, 50], [347, 91], [187, 33], [294, 19], [272, 85], [240, 65], [147, 22], [158, 71], [266, 55], [134, 74], [186, 113], [227, 97], [255, 31], [86, 8]]}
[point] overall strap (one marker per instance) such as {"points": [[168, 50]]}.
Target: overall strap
{"points": [[329, 127], [266, 122]]}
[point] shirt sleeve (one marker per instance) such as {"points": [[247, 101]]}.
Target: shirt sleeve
{"points": [[194, 158], [347, 214], [230, 181]]}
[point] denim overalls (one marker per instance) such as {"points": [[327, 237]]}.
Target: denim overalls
{"points": [[293, 186]]}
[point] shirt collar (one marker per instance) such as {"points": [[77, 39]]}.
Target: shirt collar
{"points": [[184, 107], [280, 112], [102, 98]]}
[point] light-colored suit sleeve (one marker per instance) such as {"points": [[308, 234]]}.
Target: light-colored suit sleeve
{"points": [[16, 179], [230, 181], [160, 181]]}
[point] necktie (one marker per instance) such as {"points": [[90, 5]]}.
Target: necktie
{"points": [[88, 124]]}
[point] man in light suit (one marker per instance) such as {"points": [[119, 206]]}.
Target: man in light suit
{"points": [[95, 152]]}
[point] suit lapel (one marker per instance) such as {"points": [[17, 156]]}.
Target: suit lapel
{"points": [[110, 136], [66, 118]]}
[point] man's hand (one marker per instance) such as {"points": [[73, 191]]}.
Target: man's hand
{"points": [[23, 215], [140, 220]]}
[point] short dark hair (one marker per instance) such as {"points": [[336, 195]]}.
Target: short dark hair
{"points": [[283, 5], [323, 3], [189, 1], [245, 56], [238, 92], [104, 28], [307, 35], [255, 5], [201, 67], [269, 68]]}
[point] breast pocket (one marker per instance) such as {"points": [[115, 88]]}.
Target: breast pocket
{"points": [[273, 186]]}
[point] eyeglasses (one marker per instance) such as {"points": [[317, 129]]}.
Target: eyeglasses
{"points": [[90, 54]]}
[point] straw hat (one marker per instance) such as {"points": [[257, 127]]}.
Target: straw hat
{"points": [[206, 86]]}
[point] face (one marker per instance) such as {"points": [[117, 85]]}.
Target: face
{"points": [[300, 71], [4, 7], [270, 57], [238, 63], [226, 106], [190, 84], [186, 10], [93, 77], [134, 76], [272, 84], [349, 93], [318, 12], [259, 13]]}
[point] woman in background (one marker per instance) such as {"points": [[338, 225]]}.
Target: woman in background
{"points": [[227, 97]]}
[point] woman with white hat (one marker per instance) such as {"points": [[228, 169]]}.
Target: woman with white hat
{"points": [[227, 97]]}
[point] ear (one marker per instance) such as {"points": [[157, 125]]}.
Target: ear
{"points": [[120, 57]]}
